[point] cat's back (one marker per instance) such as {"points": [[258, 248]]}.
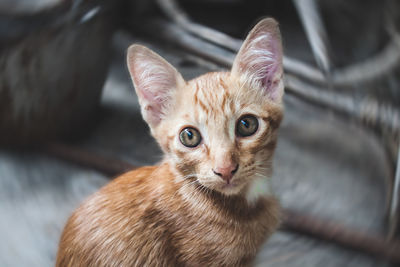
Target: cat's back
{"points": [[113, 220]]}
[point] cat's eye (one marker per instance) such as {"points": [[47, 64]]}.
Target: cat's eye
{"points": [[190, 137], [246, 126]]}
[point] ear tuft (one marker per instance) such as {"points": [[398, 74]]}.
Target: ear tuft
{"points": [[155, 81], [259, 60]]}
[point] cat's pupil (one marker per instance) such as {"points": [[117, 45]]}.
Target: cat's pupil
{"points": [[189, 134], [245, 123]]}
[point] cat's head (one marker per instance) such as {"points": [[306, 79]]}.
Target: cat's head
{"points": [[220, 128]]}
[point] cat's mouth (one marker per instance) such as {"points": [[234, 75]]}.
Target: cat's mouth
{"points": [[231, 188]]}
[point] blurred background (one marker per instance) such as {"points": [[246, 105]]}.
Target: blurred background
{"points": [[70, 120]]}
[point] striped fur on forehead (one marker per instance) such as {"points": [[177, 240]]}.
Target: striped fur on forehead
{"points": [[211, 93], [221, 94]]}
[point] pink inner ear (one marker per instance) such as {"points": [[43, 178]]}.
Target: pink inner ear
{"points": [[154, 89], [260, 61], [271, 65], [272, 68], [155, 81], [263, 62], [152, 106]]}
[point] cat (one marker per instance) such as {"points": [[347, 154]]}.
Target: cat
{"points": [[207, 203]]}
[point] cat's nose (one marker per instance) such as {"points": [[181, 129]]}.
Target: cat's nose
{"points": [[226, 172]]}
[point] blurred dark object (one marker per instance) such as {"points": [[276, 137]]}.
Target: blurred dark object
{"points": [[53, 64], [27, 6]]}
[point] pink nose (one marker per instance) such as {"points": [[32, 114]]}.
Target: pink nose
{"points": [[226, 172]]}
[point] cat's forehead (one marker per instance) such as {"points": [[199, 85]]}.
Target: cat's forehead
{"points": [[219, 94], [211, 84], [211, 94], [210, 79]]}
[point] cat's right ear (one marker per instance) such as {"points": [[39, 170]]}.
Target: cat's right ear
{"points": [[155, 81]]}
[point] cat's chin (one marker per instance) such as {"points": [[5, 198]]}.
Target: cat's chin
{"points": [[229, 189]]}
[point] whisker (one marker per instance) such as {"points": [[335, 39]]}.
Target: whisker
{"points": [[190, 176]]}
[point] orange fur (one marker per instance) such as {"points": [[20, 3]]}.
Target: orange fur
{"points": [[181, 212], [142, 219]]}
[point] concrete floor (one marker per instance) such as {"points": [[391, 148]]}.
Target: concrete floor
{"points": [[323, 166]]}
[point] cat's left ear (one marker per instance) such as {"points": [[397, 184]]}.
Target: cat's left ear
{"points": [[259, 60], [155, 80]]}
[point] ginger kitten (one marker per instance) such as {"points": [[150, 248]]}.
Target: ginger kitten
{"points": [[206, 203]]}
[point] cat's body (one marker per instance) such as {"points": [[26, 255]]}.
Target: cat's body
{"points": [[207, 203], [164, 229]]}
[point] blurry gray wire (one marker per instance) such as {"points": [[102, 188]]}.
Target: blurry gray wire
{"points": [[315, 31], [359, 72]]}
